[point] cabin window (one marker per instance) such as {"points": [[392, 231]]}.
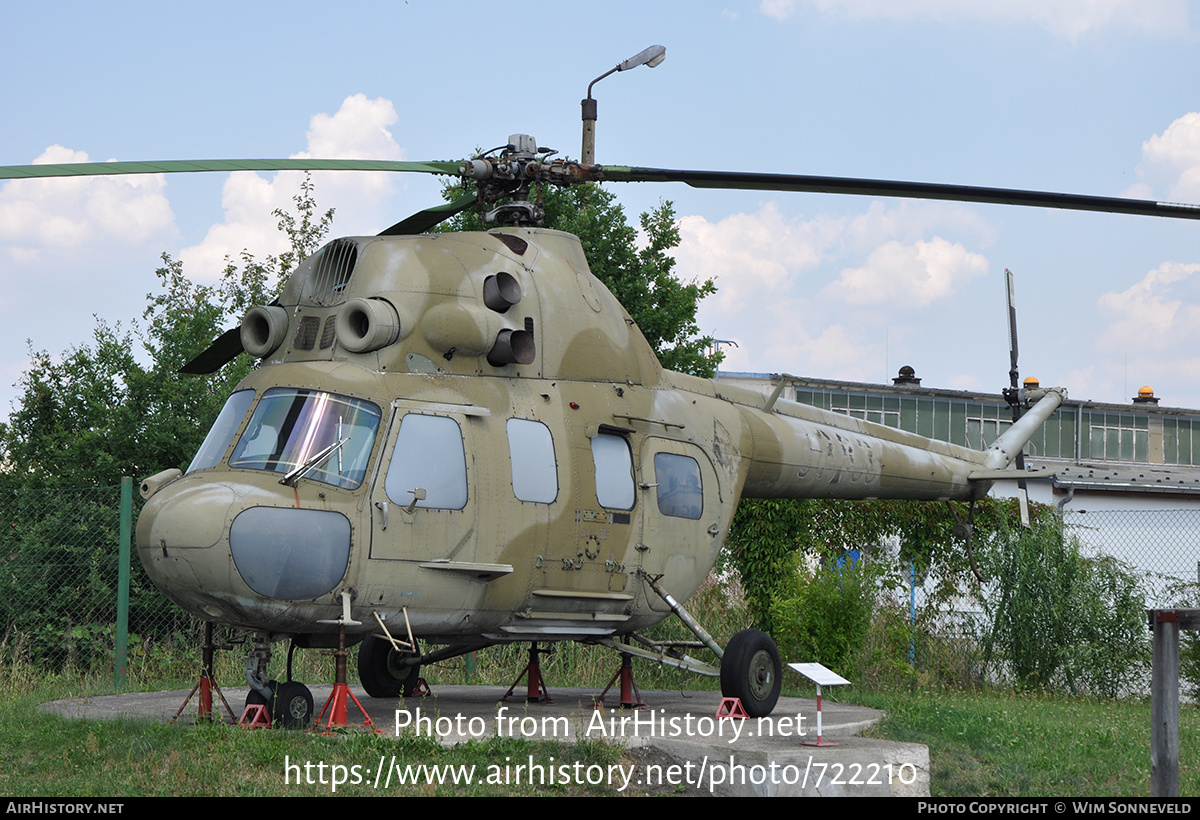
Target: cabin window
{"points": [[326, 436], [614, 471], [531, 454], [221, 435], [428, 454], [680, 493]]}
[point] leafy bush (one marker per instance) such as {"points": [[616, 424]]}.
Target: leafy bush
{"points": [[1112, 649], [1056, 616], [824, 613]]}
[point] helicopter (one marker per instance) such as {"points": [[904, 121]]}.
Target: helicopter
{"points": [[464, 440]]}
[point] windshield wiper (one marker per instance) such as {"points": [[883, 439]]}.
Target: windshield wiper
{"points": [[291, 478]]}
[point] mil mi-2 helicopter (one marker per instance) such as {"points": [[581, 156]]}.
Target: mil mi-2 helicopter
{"points": [[464, 439]]}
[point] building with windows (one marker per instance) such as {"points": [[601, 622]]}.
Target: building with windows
{"points": [[1126, 477], [1131, 455]]}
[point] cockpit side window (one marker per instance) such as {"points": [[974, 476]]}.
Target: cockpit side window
{"points": [[614, 471], [428, 455], [531, 454], [220, 436]]}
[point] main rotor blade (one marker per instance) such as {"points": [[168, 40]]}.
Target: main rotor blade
{"points": [[218, 354], [177, 166], [893, 188], [422, 221]]}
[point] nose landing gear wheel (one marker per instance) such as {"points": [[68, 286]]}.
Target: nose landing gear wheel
{"points": [[255, 698], [290, 705], [381, 671], [751, 671], [293, 706]]}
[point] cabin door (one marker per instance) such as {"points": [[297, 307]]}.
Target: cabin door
{"points": [[681, 514], [422, 507]]}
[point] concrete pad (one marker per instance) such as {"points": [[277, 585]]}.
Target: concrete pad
{"points": [[765, 757]]}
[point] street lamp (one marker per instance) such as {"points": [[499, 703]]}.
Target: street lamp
{"points": [[652, 57]]}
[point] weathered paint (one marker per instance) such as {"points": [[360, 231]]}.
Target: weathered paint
{"points": [[500, 569]]}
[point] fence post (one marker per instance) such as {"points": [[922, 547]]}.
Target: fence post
{"points": [[1164, 697], [121, 660]]}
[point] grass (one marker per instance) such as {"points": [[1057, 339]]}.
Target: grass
{"points": [[983, 742], [992, 743], [44, 755]]}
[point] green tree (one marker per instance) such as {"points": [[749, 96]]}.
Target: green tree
{"points": [[643, 279], [1057, 615], [98, 413]]}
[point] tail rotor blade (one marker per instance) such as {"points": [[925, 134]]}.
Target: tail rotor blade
{"points": [[1014, 376]]}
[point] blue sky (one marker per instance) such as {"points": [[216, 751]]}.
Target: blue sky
{"points": [[1090, 96]]}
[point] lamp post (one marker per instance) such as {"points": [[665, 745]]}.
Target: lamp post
{"points": [[652, 57]]}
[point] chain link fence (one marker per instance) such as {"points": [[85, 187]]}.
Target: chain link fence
{"points": [[1062, 616], [1161, 546], [60, 577]]}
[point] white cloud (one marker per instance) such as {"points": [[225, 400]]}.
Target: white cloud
{"points": [[838, 353], [358, 130], [66, 212], [1171, 160], [1159, 313], [1070, 19], [909, 275], [750, 254], [1153, 332], [781, 298]]}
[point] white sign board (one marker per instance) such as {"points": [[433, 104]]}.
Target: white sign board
{"points": [[819, 674]]}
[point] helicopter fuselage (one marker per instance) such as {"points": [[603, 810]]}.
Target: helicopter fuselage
{"points": [[468, 434]]}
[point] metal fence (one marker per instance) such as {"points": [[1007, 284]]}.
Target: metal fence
{"points": [[1161, 545], [70, 597], [61, 577]]}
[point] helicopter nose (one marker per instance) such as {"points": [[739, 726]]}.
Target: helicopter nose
{"points": [[290, 553], [191, 517]]}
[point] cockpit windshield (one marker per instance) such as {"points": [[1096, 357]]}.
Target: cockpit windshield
{"points": [[309, 434]]}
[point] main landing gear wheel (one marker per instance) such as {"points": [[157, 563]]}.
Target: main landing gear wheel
{"points": [[381, 671], [751, 671]]}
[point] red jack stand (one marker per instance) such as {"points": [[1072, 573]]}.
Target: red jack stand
{"points": [[629, 689], [337, 705], [535, 691], [206, 684], [731, 708]]}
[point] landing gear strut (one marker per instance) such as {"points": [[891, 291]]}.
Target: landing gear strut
{"points": [[750, 667], [289, 703]]}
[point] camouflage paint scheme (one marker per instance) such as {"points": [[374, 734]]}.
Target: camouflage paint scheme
{"points": [[500, 569]]}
